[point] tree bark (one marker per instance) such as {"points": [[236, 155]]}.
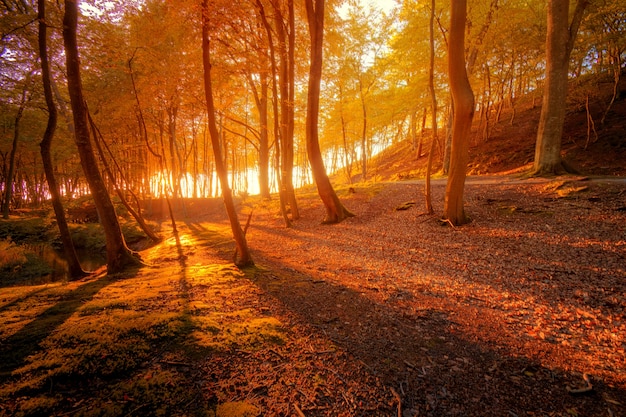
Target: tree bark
{"points": [[220, 167], [559, 43], [286, 85], [433, 107], [463, 99], [119, 256], [335, 211], [74, 268]]}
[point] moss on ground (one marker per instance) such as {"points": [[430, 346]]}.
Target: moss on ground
{"points": [[126, 344]]}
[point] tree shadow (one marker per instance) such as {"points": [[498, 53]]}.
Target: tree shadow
{"points": [[427, 358], [15, 349]]}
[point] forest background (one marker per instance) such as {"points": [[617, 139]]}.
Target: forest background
{"points": [[143, 77]]}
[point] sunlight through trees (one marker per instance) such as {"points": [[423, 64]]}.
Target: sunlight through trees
{"points": [[142, 82]]}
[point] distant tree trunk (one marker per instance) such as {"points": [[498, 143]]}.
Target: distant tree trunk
{"points": [[220, 167], [116, 186], [347, 152], [8, 183], [433, 107], [363, 133], [463, 99], [75, 270], [264, 147], [335, 211], [119, 257], [559, 43]]}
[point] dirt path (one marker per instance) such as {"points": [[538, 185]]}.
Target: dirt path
{"points": [[505, 316]]}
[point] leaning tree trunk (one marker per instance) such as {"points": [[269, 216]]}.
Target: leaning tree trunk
{"points": [[75, 270], [119, 257], [559, 43], [335, 211], [220, 167], [463, 99]]}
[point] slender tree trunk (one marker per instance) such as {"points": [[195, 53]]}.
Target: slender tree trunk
{"points": [[559, 43], [363, 133], [285, 82], [264, 142], [463, 99], [119, 257], [277, 132], [75, 270], [135, 213], [8, 184], [291, 81], [238, 233], [335, 211], [433, 107]]}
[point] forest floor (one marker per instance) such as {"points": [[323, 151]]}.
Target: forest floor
{"points": [[522, 312]]}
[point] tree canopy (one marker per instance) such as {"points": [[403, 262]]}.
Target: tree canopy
{"points": [[143, 78]]}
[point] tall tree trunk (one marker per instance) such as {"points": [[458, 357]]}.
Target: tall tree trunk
{"points": [[119, 257], [278, 160], [74, 268], [559, 43], [264, 141], [220, 167], [335, 211], [285, 81], [433, 107], [463, 99]]}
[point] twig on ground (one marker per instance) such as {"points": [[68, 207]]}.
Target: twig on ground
{"points": [[300, 413], [399, 399], [175, 363]]}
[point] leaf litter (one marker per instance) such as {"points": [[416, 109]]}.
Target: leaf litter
{"points": [[521, 312]]}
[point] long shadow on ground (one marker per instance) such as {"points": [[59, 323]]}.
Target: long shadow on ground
{"points": [[19, 346], [423, 356]]}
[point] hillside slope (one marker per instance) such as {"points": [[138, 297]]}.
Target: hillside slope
{"points": [[510, 145]]}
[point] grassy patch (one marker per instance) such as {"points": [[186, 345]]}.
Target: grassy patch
{"points": [[19, 264], [107, 346]]}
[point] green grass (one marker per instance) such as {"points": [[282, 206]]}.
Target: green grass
{"points": [[109, 346]]}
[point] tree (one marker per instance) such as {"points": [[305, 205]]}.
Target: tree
{"points": [[463, 101], [559, 43], [220, 167], [335, 211], [433, 106], [74, 268], [119, 256], [24, 99]]}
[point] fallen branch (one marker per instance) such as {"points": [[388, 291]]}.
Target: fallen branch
{"points": [[174, 363]]}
